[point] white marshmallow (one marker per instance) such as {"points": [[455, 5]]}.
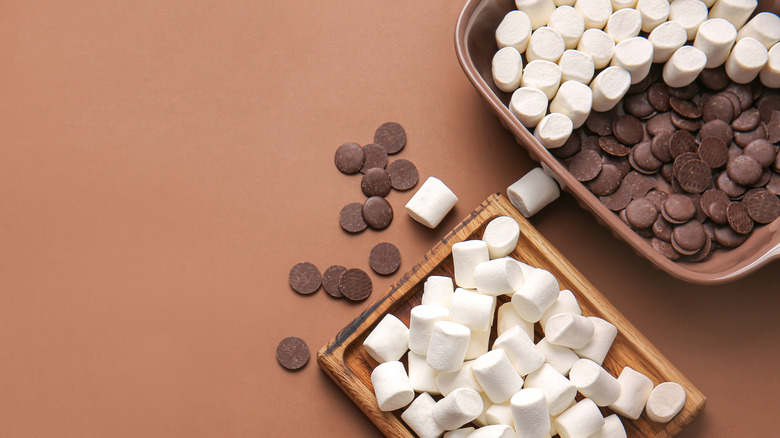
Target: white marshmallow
{"points": [[538, 10], [478, 344], [635, 388], [447, 349], [621, 4], [508, 318], [770, 74], [604, 334], [500, 413], [520, 350], [574, 100], [496, 375], [746, 60], [560, 3], [418, 417], [609, 87], [612, 428], [432, 201], [553, 175], [599, 45], [594, 382], [736, 11], [636, 56], [456, 409], [558, 390], [553, 427], [507, 67], [543, 75], [494, 431], [684, 66], [472, 309], [463, 378], [459, 433], [560, 358], [388, 341], [666, 39], [498, 276], [481, 419], [538, 292], [624, 24], [715, 38], [576, 66], [528, 104], [653, 12], [438, 290], [531, 193], [569, 330], [466, 256], [391, 386], [765, 27], [665, 401], [530, 414], [421, 321], [553, 131], [566, 303], [545, 44], [690, 13], [421, 375], [569, 24], [580, 420], [594, 12], [501, 236], [514, 31]]}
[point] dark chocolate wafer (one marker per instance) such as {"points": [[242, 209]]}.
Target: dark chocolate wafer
{"points": [[714, 151], [375, 182], [349, 158], [376, 156], [292, 353], [762, 205], [391, 136], [585, 165], [355, 284], [377, 212], [305, 278], [384, 258], [739, 218], [331, 278], [351, 218], [403, 174]]}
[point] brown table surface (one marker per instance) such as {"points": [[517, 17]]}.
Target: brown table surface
{"points": [[165, 163]]}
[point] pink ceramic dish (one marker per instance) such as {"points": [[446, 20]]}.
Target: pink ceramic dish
{"points": [[475, 45]]}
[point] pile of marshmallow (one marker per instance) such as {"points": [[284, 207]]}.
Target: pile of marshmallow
{"points": [[566, 41], [516, 388]]}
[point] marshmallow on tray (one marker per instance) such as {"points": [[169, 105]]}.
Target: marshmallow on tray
{"points": [[498, 276], [554, 129], [653, 12], [418, 417], [466, 256], [569, 24], [612, 428], [604, 334], [538, 292], [388, 341], [569, 330], [391, 386], [666, 39], [432, 201], [690, 13], [463, 432], [456, 409], [544, 75], [558, 390], [594, 12], [501, 236], [565, 303], [635, 55], [497, 376], [665, 401], [576, 66], [462, 378], [529, 105], [770, 74], [746, 60], [507, 67], [530, 414], [580, 421], [421, 321], [609, 87], [736, 11], [514, 31], [448, 345], [538, 11], [534, 191], [574, 100], [765, 27], [624, 24], [508, 318], [421, 375], [520, 350], [560, 358], [594, 382], [635, 389], [684, 66], [715, 38], [599, 45], [545, 44], [494, 431], [438, 290], [472, 309]]}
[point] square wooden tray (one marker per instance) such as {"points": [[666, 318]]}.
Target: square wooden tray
{"points": [[345, 360]]}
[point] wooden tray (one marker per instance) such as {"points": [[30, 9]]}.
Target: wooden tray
{"points": [[345, 360]]}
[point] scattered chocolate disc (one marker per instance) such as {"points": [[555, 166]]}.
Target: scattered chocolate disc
{"points": [[637, 105], [391, 136], [774, 184], [727, 237], [766, 175], [589, 142], [607, 181], [639, 184], [658, 96], [403, 174], [678, 208], [292, 353], [641, 213], [747, 120], [617, 200], [376, 182], [714, 78], [644, 158], [620, 162], [351, 218], [713, 203], [695, 176], [738, 217], [659, 146], [745, 138], [682, 141], [657, 197], [717, 128], [384, 258], [685, 108], [686, 92], [689, 238], [682, 159], [662, 229], [612, 146], [767, 106], [628, 130], [762, 206], [585, 165], [665, 248], [600, 122], [773, 128], [355, 284], [660, 123], [761, 150], [743, 170], [729, 187], [704, 252], [377, 212], [331, 278], [305, 278], [743, 92], [349, 158], [714, 151], [376, 156], [718, 107], [736, 105], [569, 148]]}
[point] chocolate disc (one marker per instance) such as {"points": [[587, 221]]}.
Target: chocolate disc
{"points": [[644, 158], [601, 122], [355, 284], [662, 229], [747, 120], [739, 218], [376, 182], [717, 128], [657, 197], [612, 146], [377, 212], [403, 174], [660, 123], [686, 92], [745, 138], [641, 213], [384, 258], [292, 353], [391, 136], [689, 238], [685, 108], [681, 142], [349, 158], [351, 218], [718, 107], [628, 130], [729, 238], [729, 187], [713, 203], [620, 162], [658, 96], [376, 156], [774, 184], [606, 182], [589, 142], [736, 105], [659, 146], [682, 159], [744, 170], [619, 199], [331, 278], [762, 206], [762, 151], [569, 148], [678, 208], [585, 165], [714, 151], [665, 248], [767, 106], [773, 128], [305, 278], [704, 252], [695, 176], [714, 78], [637, 105], [743, 93], [639, 184]]}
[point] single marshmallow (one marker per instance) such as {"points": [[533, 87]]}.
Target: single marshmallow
{"points": [[438, 290], [635, 388], [530, 414], [421, 321], [538, 10], [621, 4], [459, 433], [497, 376], [500, 413], [770, 74], [432, 201], [653, 12], [665, 401], [531, 193], [418, 417], [580, 420], [636, 56], [421, 375], [520, 350], [456, 409], [624, 24], [594, 12], [609, 87], [569, 24], [508, 318], [715, 38], [560, 3], [684, 66], [553, 427], [501, 236], [594, 382], [604, 334], [576, 66], [736, 11], [566, 303], [391, 386], [746, 60], [612, 428], [388, 341], [765, 27], [666, 39], [690, 13], [560, 358], [514, 31], [528, 104], [545, 44], [494, 431], [599, 45], [472, 309], [574, 100], [544, 75], [481, 419], [507, 69], [447, 349], [553, 131], [466, 256], [498, 276], [478, 344], [569, 330], [538, 292], [558, 390], [463, 378]]}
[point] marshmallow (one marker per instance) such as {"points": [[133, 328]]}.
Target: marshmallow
{"points": [[580, 420], [635, 388], [594, 382], [530, 414], [478, 344], [421, 375], [568, 330], [574, 100], [531, 193], [528, 104], [558, 390], [770, 74], [765, 27], [388, 341], [621, 4], [497, 376], [560, 358], [576, 66], [665, 401], [466, 256], [432, 201], [514, 31], [544, 75], [594, 12], [501, 236], [736, 11], [500, 413], [554, 129], [508, 318], [690, 13], [604, 334], [421, 321], [599, 45], [472, 309], [635, 55], [459, 433], [653, 12], [566, 303], [538, 10], [391, 386], [545, 44], [498, 276], [560, 3], [481, 419], [666, 39], [507, 69], [456, 409], [746, 60], [624, 24], [553, 175], [715, 38], [538, 292], [447, 349], [612, 428], [520, 350], [494, 431], [684, 66], [463, 378], [418, 417], [438, 290], [569, 24], [609, 87]]}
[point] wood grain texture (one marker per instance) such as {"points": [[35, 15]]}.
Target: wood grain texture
{"points": [[349, 365]]}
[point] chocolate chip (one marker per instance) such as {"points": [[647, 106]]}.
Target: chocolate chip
{"points": [[658, 97], [694, 176], [355, 284], [639, 184], [659, 146], [714, 78], [641, 213], [644, 158], [717, 128], [729, 187], [305, 278], [727, 237], [678, 208], [585, 165], [685, 108], [377, 212], [376, 182], [736, 105], [744, 94], [738, 217], [662, 229], [391, 136], [331, 278], [665, 248], [762, 206], [612, 146], [714, 151], [762, 151], [349, 158], [376, 156], [606, 182], [351, 218], [569, 148], [745, 138], [657, 197], [689, 238], [628, 130], [292, 353], [704, 252], [681, 142], [713, 203], [600, 122], [660, 123], [747, 121], [773, 127], [403, 174], [743, 170], [686, 92], [682, 159], [768, 105], [681, 122], [637, 105], [384, 258], [619, 199], [718, 107]]}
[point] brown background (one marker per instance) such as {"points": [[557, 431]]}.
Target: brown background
{"points": [[165, 163]]}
